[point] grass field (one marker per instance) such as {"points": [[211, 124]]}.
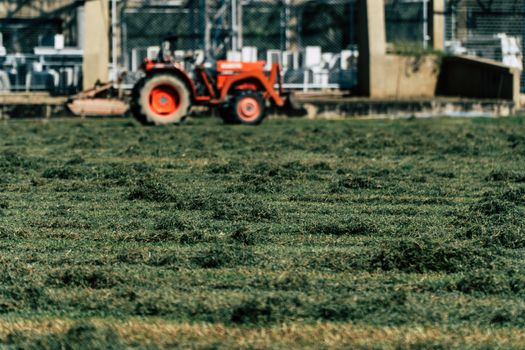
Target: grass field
{"points": [[297, 233]]}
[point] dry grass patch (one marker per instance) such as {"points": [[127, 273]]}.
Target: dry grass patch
{"points": [[164, 334]]}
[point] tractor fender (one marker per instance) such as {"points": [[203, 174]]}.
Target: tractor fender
{"points": [[254, 77]]}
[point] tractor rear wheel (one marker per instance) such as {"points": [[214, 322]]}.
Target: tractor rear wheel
{"points": [[247, 107], [160, 99]]}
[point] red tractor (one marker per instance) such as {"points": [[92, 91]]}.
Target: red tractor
{"points": [[240, 91]]}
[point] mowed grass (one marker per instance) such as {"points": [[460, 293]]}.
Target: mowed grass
{"points": [[297, 233]]}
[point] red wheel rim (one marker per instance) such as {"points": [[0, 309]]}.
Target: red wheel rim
{"points": [[164, 100], [248, 109]]}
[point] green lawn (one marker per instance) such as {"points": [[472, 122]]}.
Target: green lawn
{"points": [[297, 233]]}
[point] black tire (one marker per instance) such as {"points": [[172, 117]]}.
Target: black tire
{"points": [[225, 112], [152, 110], [135, 108], [247, 107]]}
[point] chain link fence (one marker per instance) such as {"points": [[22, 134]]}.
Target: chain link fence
{"points": [[493, 29], [40, 46], [315, 41], [407, 22]]}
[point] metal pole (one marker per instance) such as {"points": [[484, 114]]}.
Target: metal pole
{"points": [[235, 44], [81, 21], [114, 40], [206, 27], [351, 35], [522, 88], [194, 32], [282, 26], [124, 40], [453, 22], [425, 24], [287, 33], [240, 23]]}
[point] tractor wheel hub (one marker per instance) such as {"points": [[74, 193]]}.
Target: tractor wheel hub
{"points": [[249, 108], [164, 100]]}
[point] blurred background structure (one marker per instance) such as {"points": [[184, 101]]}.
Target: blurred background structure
{"points": [[61, 46]]}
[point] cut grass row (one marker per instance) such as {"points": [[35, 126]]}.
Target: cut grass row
{"points": [[389, 228]]}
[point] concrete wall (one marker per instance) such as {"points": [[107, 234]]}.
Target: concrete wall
{"points": [[372, 47], [479, 78], [437, 24], [406, 77], [383, 75], [96, 42]]}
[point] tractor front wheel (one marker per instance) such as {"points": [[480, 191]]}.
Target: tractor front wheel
{"points": [[247, 107], [160, 99]]}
